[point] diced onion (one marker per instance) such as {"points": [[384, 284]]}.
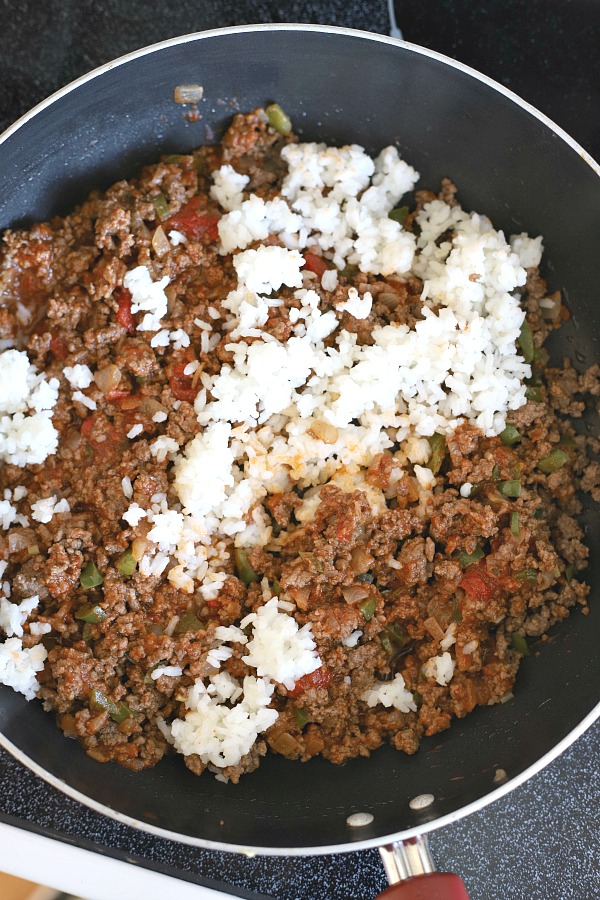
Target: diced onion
{"points": [[138, 548], [354, 593], [108, 378], [160, 242], [323, 431], [434, 628], [188, 93]]}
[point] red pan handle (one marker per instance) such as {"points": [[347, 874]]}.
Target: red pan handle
{"points": [[433, 886]]}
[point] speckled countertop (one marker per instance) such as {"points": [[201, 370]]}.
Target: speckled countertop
{"points": [[543, 840]]}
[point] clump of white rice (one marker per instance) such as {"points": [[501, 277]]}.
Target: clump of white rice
{"points": [[19, 666], [225, 717], [440, 667], [14, 615], [391, 693], [279, 649], [221, 733], [147, 296], [27, 435]]}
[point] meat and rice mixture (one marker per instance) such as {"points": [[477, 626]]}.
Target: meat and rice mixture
{"points": [[284, 462]]}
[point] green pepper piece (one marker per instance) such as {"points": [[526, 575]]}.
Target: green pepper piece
{"points": [[161, 206], [349, 271], [467, 559], [386, 643], [526, 342], [366, 577], [510, 436], [519, 644], [514, 523], [510, 488], [243, 567], [529, 575], [117, 711], [92, 613], [278, 119], [399, 214], [276, 588], [569, 572], [397, 633], [553, 462], [437, 442], [456, 613], [176, 159], [188, 622], [367, 608], [301, 717], [90, 577], [86, 632], [534, 394], [121, 712], [126, 564]]}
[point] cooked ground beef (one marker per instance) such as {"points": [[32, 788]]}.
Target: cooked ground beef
{"points": [[494, 564]]}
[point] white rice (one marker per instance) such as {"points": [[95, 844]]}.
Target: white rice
{"points": [[440, 667], [45, 509], [279, 649], [13, 616], [147, 296], [169, 671], [8, 514], [390, 693], [79, 376], [27, 435], [19, 666], [220, 733]]}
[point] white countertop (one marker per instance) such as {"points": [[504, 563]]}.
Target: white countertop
{"points": [[86, 874]]}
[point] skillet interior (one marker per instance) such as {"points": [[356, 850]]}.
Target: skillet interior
{"points": [[337, 87]]}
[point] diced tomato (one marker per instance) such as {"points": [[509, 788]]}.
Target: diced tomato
{"points": [[194, 222], [125, 317], [213, 604], [87, 426], [58, 347], [319, 678], [102, 448], [315, 264], [115, 396], [478, 583], [181, 385], [345, 530]]}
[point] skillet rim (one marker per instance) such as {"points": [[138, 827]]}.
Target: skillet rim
{"points": [[562, 745]]}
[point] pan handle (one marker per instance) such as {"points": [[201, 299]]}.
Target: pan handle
{"points": [[411, 873], [434, 886]]}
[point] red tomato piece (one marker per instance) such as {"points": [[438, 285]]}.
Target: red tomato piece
{"points": [[319, 678], [476, 582], [315, 264], [117, 395], [125, 317], [194, 222], [58, 347], [181, 385]]}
